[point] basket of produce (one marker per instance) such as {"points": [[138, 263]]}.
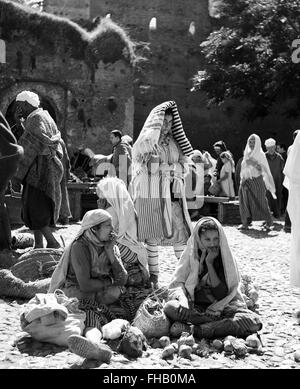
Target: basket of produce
{"points": [[151, 319]]}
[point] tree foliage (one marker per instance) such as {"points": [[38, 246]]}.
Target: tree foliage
{"points": [[250, 56]]}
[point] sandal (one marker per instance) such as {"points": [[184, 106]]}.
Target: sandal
{"points": [[86, 349]]}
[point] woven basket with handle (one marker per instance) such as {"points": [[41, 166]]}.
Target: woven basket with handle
{"points": [[36, 264]]}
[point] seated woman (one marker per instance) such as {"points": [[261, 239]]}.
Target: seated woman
{"points": [[115, 199], [91, 270], [205, 288]]}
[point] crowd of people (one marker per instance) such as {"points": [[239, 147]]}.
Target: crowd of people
{"points": [[147, 199]]}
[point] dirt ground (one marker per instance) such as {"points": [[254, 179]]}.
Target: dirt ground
{"points": [[264, 256]]}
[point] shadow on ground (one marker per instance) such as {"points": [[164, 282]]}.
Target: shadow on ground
{"points": [[27, 345]]}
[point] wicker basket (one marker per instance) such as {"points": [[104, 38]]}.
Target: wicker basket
{"points": [[156, 325], [36, 264], [11, 286]]}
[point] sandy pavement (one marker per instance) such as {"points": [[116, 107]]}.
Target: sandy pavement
{"points": [[263, 256]]}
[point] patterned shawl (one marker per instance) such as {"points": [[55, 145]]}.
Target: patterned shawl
{"points": [[190, 266], [147, 141]]}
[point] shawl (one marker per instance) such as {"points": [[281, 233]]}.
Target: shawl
{"points": [[42, 163], [147, 141], [292, 182], [257, 155], [190, 266], [154, 185], [291, 168], [91, 218], [114, 191]]}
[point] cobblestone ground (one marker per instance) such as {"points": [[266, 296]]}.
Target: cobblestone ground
{"points": [[263, 256]]}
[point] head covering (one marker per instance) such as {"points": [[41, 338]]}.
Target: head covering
{"points": [[127, 139], [197, 153], [190, 266], [114, 191], [270, 142], [31, 98], [291, 168], [257, 155], [220, 144], [147, 141], [90, 219]]}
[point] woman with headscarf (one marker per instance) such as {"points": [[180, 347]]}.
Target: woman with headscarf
{"points": [[41, 171], [10, 155], [219, 147], [256, 178], [115, 199], [205, 288], [195, 183], [226, 175], [91, 270], [160, 165], [292, 183]]}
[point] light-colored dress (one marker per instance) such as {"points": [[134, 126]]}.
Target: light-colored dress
{"points": [[227, 184]]}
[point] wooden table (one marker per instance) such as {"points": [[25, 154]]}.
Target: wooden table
{"points": [[77, 191]]}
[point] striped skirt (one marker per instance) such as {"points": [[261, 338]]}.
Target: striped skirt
{"points": [[253, 202]]}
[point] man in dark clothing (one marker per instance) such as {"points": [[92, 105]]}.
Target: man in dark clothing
{"points": [[121, 158], [276, 164], [219, 147]]}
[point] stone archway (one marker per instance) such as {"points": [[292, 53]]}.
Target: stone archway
{"points": [[52, 97], [10, 114]]}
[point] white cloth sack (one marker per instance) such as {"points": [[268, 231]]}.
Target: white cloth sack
{"points": [[46, 320]]}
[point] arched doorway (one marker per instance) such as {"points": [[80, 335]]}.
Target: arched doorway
{"points": [[10, 115]]}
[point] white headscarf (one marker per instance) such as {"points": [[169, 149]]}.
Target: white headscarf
{"points": [[257, 155], [270, 142], [31, 98], [190, 266], [90, 219], [114, 191]]}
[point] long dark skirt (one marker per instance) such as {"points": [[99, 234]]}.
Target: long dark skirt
{"points": [[253, 202], [38, 209]]}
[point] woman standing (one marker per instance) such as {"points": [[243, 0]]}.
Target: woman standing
{"points": [[160, 165], [292, 183], [256, 177], [226, 175]]}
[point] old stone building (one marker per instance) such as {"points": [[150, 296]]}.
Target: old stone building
{"points": [[84, 79], [174, 29]]}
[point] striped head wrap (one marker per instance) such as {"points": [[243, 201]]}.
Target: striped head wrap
{"points": [[147, 141]]}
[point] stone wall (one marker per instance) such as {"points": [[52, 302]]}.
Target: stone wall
{"points": [[173, 59], [87, 105]]}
